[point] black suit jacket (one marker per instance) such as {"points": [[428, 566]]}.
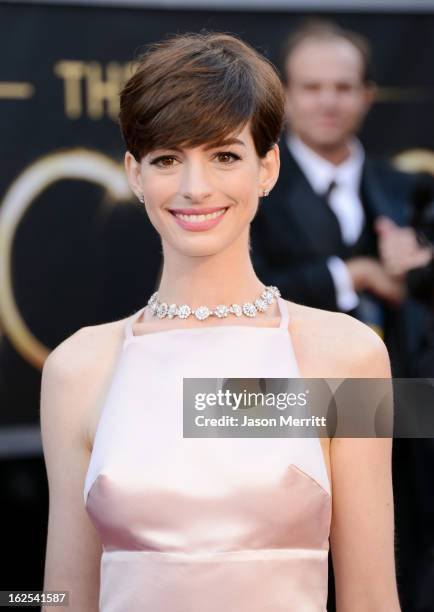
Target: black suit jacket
{"points": [[295, 231]]}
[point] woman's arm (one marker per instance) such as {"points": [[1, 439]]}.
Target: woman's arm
{"points": [[73, 549], [362, 530]]}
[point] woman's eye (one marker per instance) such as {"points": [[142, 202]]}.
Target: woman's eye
{"points": [[168, 161], [227, 158], [164, 161]]}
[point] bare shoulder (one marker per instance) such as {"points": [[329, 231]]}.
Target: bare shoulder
{"points": [[334, 344], [83, 347], [76, 373]]}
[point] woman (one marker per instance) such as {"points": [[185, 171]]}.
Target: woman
{"points": [[188, 525]]}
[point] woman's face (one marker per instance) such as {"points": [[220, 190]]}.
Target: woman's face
{"points": [[201, 199]]}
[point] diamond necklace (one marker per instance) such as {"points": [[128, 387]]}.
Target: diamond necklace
{"points": [[249, 309]]}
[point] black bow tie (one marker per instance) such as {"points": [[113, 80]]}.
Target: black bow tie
{"points": [[329, 190]]}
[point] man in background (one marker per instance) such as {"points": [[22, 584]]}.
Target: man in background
{"points": [[315, 236]]}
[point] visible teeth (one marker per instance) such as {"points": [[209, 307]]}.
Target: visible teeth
{"points": [[198, 218]]}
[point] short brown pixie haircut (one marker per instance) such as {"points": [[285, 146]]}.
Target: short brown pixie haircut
{"points": [[197, 88], [326, 30]]}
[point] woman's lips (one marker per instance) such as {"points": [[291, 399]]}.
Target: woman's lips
{"points": [[199, 222]]}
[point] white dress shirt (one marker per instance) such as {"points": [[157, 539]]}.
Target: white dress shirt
{"points": [[344, 200]]}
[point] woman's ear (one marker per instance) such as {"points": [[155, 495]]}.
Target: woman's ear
{"points": [[270, 166], [132, 170]]}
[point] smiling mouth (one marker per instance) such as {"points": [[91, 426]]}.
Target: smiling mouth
{"points": [[198, 218]]}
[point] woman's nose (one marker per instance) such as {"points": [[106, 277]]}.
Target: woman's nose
{"points": [[195, 182]]}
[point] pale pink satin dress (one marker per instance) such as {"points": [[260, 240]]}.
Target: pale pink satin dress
{"points": [[204, 524]]}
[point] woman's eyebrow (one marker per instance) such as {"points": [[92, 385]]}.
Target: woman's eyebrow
{"points": [[212, 145], [226, 141]]}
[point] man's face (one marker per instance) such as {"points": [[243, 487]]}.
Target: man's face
{"points": [[326, 99]]}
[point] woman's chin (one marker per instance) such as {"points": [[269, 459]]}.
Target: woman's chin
{"points": [[200, 246]]}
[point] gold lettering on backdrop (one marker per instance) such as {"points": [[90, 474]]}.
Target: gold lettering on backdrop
{"points": [[75, 164], [409, 95], [92, 89], [100, 89], [415, 160], [15, 90], [72, 74]]}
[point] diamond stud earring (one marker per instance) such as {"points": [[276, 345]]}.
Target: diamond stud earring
{"points": [[141, 199], [265, 193]]}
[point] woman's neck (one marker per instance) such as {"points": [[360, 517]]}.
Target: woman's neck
{"points": [[226, 277]]}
